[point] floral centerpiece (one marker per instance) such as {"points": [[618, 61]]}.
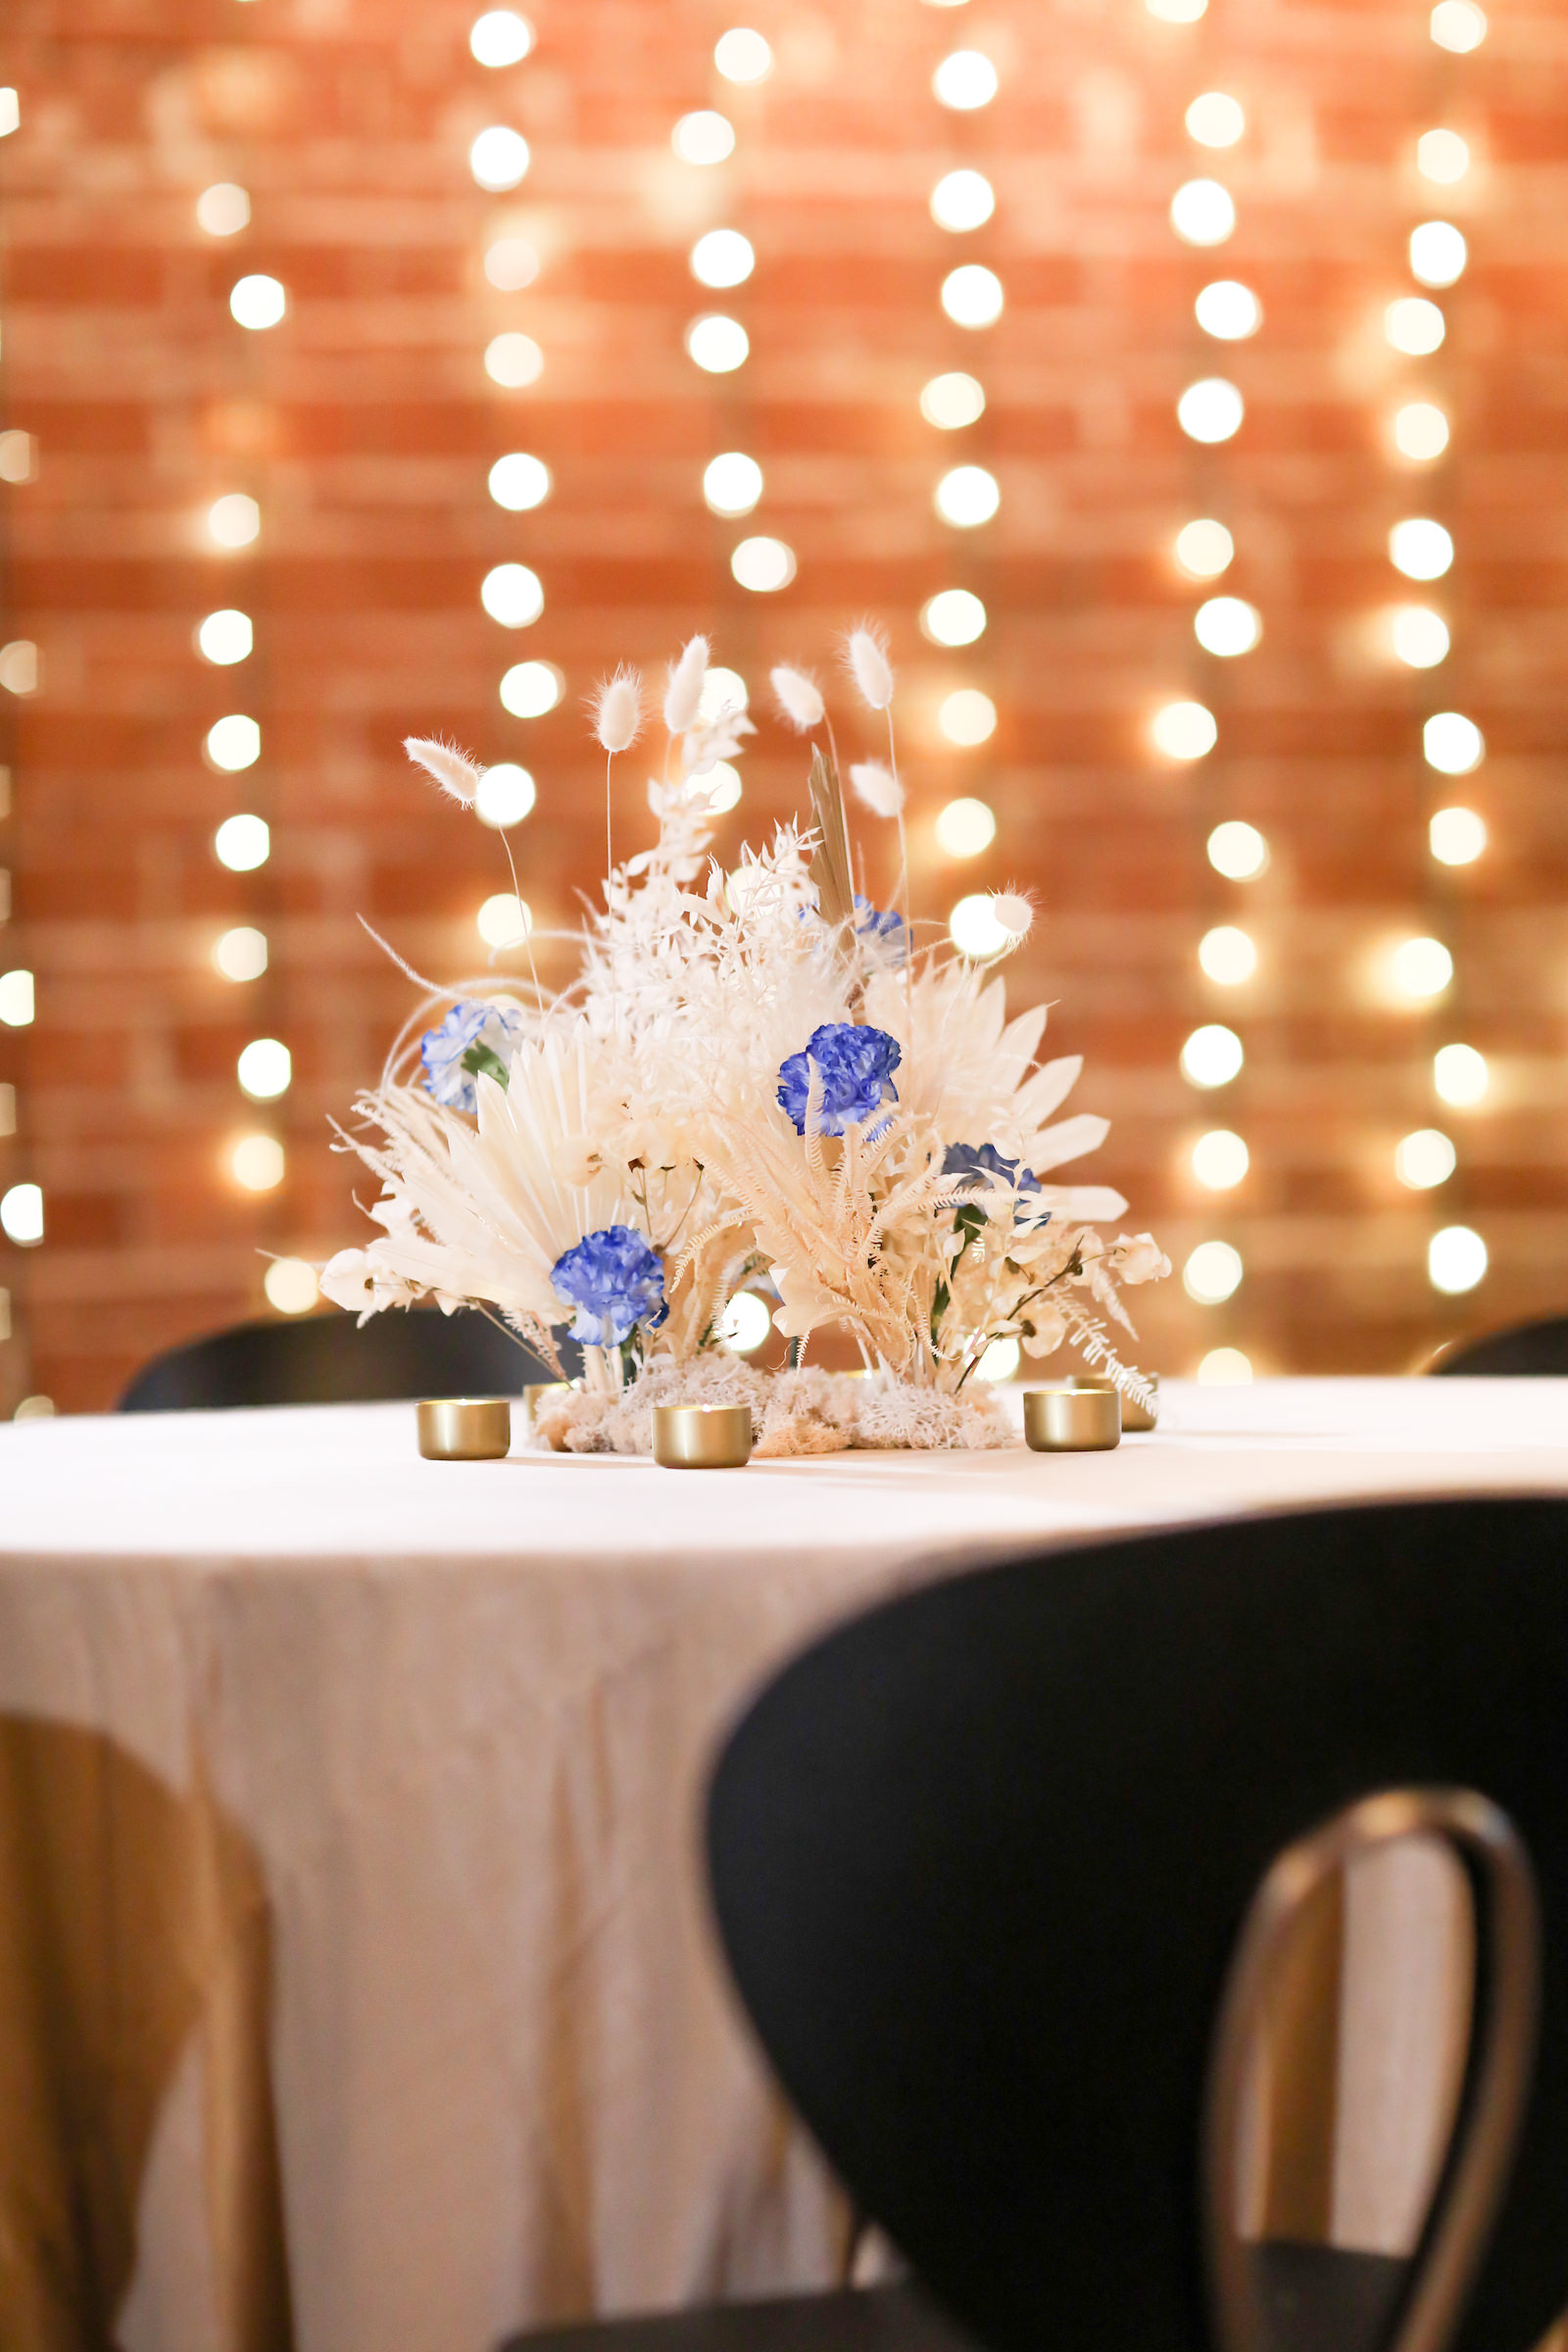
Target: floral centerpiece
{"points": [[759, 1081]]}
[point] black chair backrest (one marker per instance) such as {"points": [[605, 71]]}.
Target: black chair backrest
{"points": [[1539, 1349], [981, 1858], [328, 1359]]}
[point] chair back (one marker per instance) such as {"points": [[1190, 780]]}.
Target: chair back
{"points": [[330, 1360], [982, 1859], [1532, 1349]]}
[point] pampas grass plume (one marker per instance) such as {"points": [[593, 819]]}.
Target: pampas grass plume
{"points": [[684, 694], [877, 786], [1013, 911], [870, 667], [617, 708], [799, 697], [457, 775]]}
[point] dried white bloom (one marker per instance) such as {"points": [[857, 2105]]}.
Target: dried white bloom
{"points": [[1140, 1258], [617, 708], [870, 667], [800, 698], [877, 786], [684, 693], [457, 775], [719, 739], [1013, 911]]}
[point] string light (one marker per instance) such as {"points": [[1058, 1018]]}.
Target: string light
{"points": [[1441, 155], [1212, 1273], [1460, 1076], [504, 921], [223, 209], [1204, 548], [763, 565], [967, 496], [1458, 836], [501, 37], [514, 361], [704, 137], [512, 595], [241, 954], [511, 263], [224, 638], [1438, 253], [235, 519], [1225, 1368], [505, 795], [732, 483], [974, 929], [1202, 211], [1419, 636], [1210, 411], [1183, 730], [242, 843], [1228, 625], [22, 1214], [1238, 851], [1228, 311], [520, 482], [18, 998], [531, 688], [258, 301], [968, 717], [717, 345], [233, 743], [972, 295], [1424, 1160], [1457, 1259], [1419, 968], [951, 401], [1215, 120], [265, 1069], [965, 827], [743, 56], [291, 1286], [1227, 955], [954, 616], [499, 158], [1458, 24], [1213, 1056], [255, 1163], [1422, 550], [722, 257], [1415, 325], [1453, 744], [962, 200], [1220, 1161], [1420, 431]]}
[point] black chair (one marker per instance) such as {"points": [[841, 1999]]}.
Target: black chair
{"points": [[981, 1859], [1536, 1351], [328, 1359]]}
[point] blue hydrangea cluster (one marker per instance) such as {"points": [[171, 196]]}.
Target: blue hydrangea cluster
{"points": [[856, 1066], [469, 1029], [614, 1281], [881, 928], [974, 1164]]}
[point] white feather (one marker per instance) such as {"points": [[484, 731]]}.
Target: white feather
{"points": [[684, 694], [457, 775], [877, 786]]}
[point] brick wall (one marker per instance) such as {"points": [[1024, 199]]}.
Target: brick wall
{"points": [[364, 427]]}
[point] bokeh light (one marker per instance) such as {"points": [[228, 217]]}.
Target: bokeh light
{"points": [[1458, 836], [1220, 1161], [965, 827], [1457, 1259], [1424, 1160], [1213, 1056], [1238, 851]]}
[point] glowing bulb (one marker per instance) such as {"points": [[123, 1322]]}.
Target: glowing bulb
{"points": [[1228, 311], [723, 690], [225, 637], [1424, 1160], [242, 843], [718, 345], [1458, 836], [1212, 1273], [504, 920], [968, 717], [1457, 1259], [1421, 550], [1211, 1057], [732, 483], [1420, 636], [1220, 1161], [974, 929], [1420, 968], [291, 1286], [744, 1324], [240, 954], [518, 481], [505, 795], [1215, 120], [1227, 955], [965, 80], [233, 743], [1202, 213], [763, 565], [235, 519], [1441, 155], [1183, 730], [951, 401], [501, 37], [1203, 549], [511, 263], [1458, 24], [999, 1361], [723, 785], [1460, 1075], [962, 200], [1453, 744], [1420, 431], [223, 209], [1211, 409], [19, 666], [1438, 253], [743, 56], [514, 361], [265, 1069], [22, 1214], [1238, 851], [255, 1163], [967, 496], [964, 828], [1415, 325], [499, 158], [722, 257], [1225, 1368], [704, 137], [257, 301], [531, 688], [17, 1002], [954, 616], [973, 296], [1227, 625], [512, 595]]}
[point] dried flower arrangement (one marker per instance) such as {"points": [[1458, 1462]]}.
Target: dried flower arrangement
{"points": [[758, 1082]]}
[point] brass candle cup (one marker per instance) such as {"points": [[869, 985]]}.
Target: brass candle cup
{"points": [[1132, 1415], [702, 1437], [1071, 1420], [536, 1392], [463, 1429]]}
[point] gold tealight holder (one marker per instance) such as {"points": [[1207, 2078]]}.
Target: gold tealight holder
{"points": [[1072, 1420], [1132, 1415], [702, 1437], [463, 1429], [537, 1393]]}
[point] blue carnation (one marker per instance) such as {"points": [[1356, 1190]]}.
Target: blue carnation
{"points": [[492, 1029], [856, 1067], [974, 1164], [614, 1281], [879, 927]]}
